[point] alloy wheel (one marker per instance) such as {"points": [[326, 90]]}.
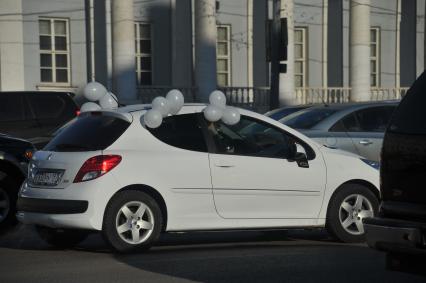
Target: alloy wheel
{"points": [[134, 222], [352, 211], [4, 205]]}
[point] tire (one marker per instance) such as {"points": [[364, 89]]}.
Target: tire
{"points": [[132, 222], [61, 238], [8, 196], [347, 208]]}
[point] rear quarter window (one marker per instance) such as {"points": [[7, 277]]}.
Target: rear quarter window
{"points": [[182, 131], [88, 132]]}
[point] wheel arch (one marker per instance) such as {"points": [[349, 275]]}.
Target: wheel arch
{"points": [[152, 193], [11, 171], [364, 183]]}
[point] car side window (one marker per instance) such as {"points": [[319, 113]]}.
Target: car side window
{"points": [[11, 107], [349, 123], [374, 119], [46, 106], [182, 131], [251, 137]]}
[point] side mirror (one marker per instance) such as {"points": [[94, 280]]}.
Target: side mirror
{"points": [[298, 154]]}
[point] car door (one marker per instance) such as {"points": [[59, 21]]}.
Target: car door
{"points": [[252, 176], [368, 138], [338, 137]]}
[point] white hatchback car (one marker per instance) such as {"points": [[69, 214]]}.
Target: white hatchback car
{"points": [[106, 171]]}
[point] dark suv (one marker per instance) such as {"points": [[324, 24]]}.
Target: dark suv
{"points": [[400, 229], [14, 157], [31, 115]]}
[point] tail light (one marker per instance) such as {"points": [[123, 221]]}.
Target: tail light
{"points": [[96, 166], [77, 112]]}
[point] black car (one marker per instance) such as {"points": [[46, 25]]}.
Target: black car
{"points": [[14, 157], [31, 115], [400, 228]]}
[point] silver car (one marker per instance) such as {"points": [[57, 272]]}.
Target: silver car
{"points": [[354, 127]]}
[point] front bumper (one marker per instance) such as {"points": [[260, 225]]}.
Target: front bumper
{"points": [[396, 236]]}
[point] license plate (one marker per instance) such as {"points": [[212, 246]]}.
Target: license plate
{"points": [[47, 178]]}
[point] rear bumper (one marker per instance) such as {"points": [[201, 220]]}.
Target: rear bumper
{"points": [[52, 206], [396, 236]]}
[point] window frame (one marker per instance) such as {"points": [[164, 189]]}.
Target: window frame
{"points": [[53, 52], [227, 57], [310, 152], [375, 59], [139, 54], [303, 59]]}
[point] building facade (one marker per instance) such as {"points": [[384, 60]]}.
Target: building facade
{"points": [[62, 45]]}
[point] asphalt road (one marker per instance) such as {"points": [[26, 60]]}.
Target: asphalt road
{"points": [[275, 256]]}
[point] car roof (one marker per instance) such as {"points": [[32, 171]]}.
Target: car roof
{"points": [[187, 108]]}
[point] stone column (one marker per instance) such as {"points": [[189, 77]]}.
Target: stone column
{"points": [[123, 50], [360, 50], [287, 94], [205, 48]]}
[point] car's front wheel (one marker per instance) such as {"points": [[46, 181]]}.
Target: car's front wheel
{"points": [[132, 221], [347, 209]]}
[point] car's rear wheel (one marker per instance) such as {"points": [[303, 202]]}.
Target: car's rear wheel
{"points": [[61, 238], [132, 221], [347, 209]]}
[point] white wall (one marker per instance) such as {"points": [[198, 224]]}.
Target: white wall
{"points": [[11, 46]]}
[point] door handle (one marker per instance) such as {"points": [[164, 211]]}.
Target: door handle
{"points": [[365, 142], [222, 164]]}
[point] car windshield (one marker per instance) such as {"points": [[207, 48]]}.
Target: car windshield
{"points": [[281, 113], [307, 118]]}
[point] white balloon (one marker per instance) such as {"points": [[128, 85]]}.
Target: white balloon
{"points": [[162, 105], [108, 101], [153, 118], [176, 100], [231, 116], [90, 106], [94, 91], [213, 113], [218, 98]]}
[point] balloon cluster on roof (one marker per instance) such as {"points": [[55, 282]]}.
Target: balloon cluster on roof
{"points": [[162, 107], [96, 92], [217, 110]]}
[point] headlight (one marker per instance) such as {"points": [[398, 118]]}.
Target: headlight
{"points": [[374, 164]]}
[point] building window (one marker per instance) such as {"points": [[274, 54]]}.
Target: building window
{"points": [[143, 54], [223, 53], [300, 52], [375, 57], [54, 51]]}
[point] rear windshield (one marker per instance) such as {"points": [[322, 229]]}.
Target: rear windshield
{"points": [[308, 118], [410, 116], [88, 133]]}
